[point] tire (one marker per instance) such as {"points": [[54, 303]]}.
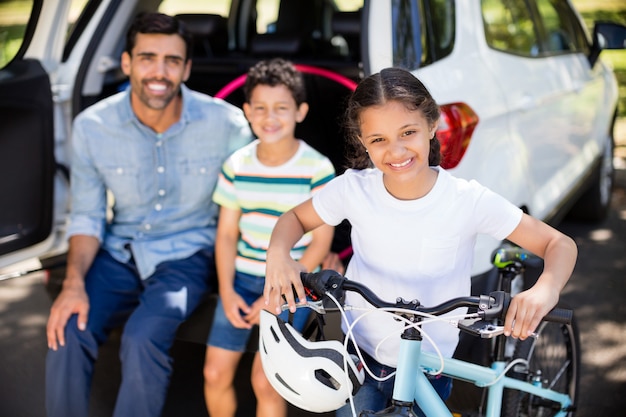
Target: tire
{"points": [[593, 205], [554, 357]]}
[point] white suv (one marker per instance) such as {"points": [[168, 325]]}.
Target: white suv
{"points": [[528, 105]]}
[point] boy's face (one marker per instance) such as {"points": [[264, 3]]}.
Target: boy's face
{"points": [[273, 113], [156, 68]]}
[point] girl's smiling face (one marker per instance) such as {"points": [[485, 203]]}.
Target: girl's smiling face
{"points": [[397, 140]]}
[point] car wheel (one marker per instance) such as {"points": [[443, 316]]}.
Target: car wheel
{"points": [[593, 205]]}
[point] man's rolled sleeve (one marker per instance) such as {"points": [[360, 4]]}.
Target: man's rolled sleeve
{"points": [[88, 193]]}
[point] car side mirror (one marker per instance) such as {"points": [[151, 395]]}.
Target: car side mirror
{"points": [[606, 35]]}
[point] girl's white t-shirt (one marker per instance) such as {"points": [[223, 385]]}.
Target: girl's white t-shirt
{"points": [[419, 249]]}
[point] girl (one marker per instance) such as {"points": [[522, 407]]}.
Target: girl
{"points": [[414, 227]]}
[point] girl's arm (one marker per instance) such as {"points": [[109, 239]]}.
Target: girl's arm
{"points": [[559, 253], [318, 248], [311, 259], [281, 270]]}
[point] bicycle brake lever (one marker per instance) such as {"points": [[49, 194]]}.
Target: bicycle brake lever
{"points": [[317, 306], [484, 329]]}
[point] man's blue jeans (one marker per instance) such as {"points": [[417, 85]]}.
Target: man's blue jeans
{"points": [[150, 310]]}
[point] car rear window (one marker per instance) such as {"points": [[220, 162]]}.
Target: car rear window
{"points": [[423, 32]]}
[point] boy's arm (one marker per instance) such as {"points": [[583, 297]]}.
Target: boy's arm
{"points": [[225, 255]]}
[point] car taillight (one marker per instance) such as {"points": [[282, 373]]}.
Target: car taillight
{"points": [[456, 126]]}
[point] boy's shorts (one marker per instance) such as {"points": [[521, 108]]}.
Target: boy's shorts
{"points": [[226, 336]]}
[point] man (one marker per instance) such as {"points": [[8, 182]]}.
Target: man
{"points": [[156, 149]]}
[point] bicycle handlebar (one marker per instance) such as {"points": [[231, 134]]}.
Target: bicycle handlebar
{"points": [[492, 306]]}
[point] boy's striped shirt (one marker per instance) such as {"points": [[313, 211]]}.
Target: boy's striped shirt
{"points": [[262, 193]]}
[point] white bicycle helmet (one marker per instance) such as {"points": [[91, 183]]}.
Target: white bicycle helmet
{"points": [[309, 375]]}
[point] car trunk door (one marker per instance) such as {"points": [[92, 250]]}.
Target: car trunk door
{"points": [[26, 155], [27, 160], [376, 36]]}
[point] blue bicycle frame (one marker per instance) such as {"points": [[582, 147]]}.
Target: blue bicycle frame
{"points": [[411, 383]]}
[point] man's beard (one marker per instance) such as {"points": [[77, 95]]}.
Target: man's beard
{"points": [[157, 103]]}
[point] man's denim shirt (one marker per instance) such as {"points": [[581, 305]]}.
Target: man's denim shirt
{"points": [[161, 184]]}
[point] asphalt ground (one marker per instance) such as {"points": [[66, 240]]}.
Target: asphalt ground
{"points": [[596, 290]]}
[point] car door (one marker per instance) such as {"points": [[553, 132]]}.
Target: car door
{"points": [[583, 102], [26, 155], [36, 82], [27, 163], [535, 53]]}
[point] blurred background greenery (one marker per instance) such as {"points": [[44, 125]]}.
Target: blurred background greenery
{"points": [[613, 10]]}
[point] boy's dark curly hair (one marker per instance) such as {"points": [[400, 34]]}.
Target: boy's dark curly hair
{"points": [[274, 72]]}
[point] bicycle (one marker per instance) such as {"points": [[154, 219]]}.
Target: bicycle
{"points": [[540, 377]]}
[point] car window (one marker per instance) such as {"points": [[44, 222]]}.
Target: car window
{"points": [[423, 31], [14, 18], [266, 12], [407, 46], [509, 27], [533, 28], [174, 7], [81, 11], [561, 29]]}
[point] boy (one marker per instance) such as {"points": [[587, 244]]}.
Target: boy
{"points": [[257, 184]]}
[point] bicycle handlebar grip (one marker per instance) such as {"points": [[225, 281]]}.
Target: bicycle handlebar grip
{"points": [[308, 279], [324, 281], [560, 315]]}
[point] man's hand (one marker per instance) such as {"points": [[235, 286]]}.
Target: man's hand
{"points": [[72, 300]]}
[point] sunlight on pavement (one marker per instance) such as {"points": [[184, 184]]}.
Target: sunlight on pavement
{"points": [[601, 235], [17, 289], [609, 350], [14, 319]]}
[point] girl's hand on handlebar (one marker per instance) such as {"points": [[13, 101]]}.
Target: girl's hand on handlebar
{"points": [[282, 278], [527, 309]]}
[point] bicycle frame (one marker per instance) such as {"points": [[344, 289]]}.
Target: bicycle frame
{"points": [[411, 383]]}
